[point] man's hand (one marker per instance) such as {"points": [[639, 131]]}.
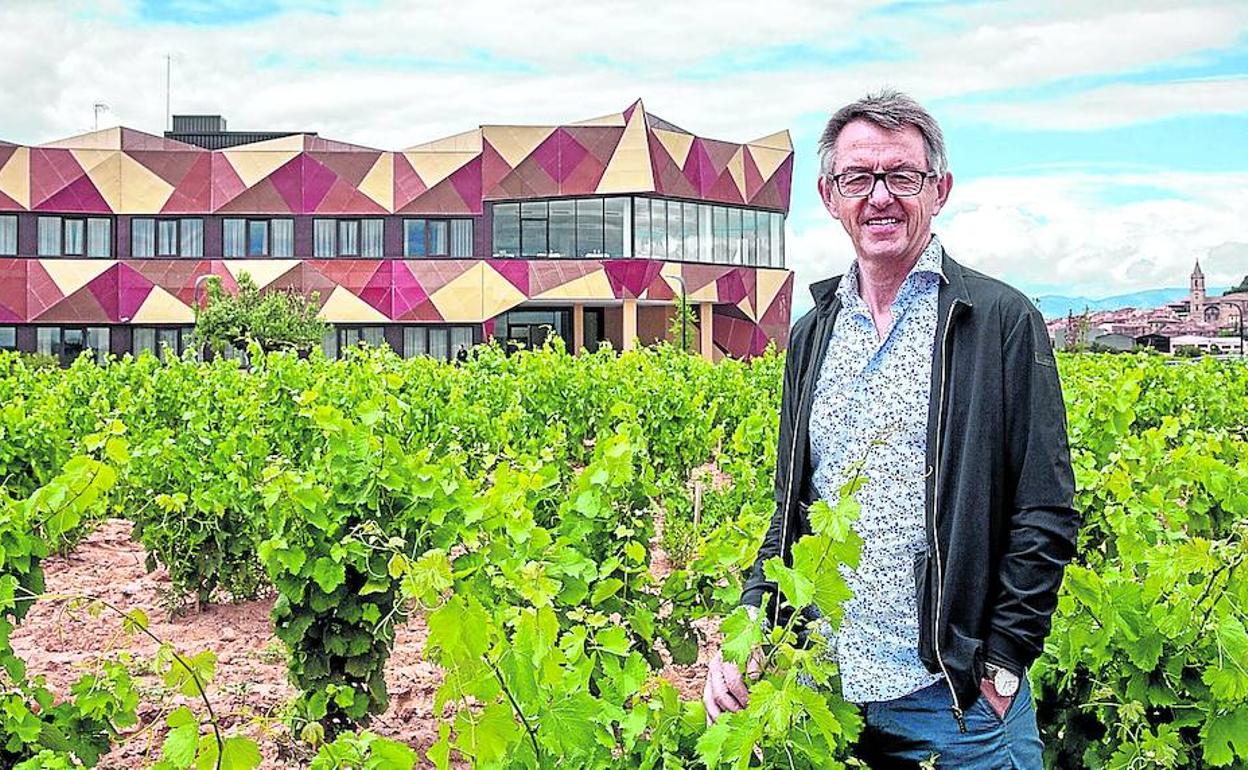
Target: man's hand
{"points": [[997, 702], [725, 688]]}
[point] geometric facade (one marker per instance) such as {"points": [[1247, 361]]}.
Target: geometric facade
{"points": [[112, 177]]}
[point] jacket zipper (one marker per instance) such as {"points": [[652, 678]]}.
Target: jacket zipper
{"points": [[940, 577]]}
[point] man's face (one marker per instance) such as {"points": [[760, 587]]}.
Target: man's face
{"points": [[883, 227]]}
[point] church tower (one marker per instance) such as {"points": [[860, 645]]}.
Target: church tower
{"points": [[1198, 293]]}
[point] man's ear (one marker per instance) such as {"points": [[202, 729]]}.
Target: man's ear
{"points": [[943, 186], [826, 196]]}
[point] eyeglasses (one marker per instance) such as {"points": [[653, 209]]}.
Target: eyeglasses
{"points": [[900, 184]]}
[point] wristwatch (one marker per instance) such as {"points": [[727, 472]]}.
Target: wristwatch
{"points": [[1003, 681]]}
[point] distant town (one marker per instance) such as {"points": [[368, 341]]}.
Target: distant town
{"points": [[1197, 325]]}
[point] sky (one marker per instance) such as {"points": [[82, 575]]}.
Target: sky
{"points": [[1097, 148]]}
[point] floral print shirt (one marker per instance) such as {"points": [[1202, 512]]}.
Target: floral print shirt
{"points": [[871, 403]]}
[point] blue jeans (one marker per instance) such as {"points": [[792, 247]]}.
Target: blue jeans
{"points": [[905, 732]]}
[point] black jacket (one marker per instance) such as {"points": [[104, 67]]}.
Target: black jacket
{"points": [[1001, 523]]}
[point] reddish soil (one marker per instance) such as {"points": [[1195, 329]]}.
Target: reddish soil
{"points": [[249, 691]]}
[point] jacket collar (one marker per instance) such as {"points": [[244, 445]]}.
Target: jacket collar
{"points": [[952, 289]]}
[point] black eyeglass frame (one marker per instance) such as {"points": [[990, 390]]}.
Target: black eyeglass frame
{"points": [[882, 176]]}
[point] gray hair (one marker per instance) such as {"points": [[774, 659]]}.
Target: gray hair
{"points": [[888, 109]]}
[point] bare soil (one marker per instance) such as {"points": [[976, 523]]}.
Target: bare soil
{"points": [[249, 691]]}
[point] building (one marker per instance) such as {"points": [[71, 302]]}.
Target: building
{"points": [[590, 230]]}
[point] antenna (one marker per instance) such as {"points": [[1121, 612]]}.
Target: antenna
{"points": [[168, 84], [99, 107]]}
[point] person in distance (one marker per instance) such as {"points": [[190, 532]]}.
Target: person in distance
{"points": [[968, 513]]}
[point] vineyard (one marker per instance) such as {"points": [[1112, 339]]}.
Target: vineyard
{"points": [[567, 529]]}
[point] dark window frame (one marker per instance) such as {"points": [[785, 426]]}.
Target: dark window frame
{"points": [[336, 252], [178, 237], [185, 335], [627, 227], [85, 220], [100, 355], [17, 242], [449, 222], [268, 238]]}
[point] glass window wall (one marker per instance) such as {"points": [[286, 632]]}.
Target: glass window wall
{"points": [[8, 235]]}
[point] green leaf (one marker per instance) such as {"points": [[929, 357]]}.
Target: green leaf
{"points": [[567, 725], [796, 587], [487, 736], [1225, 737], [237, 753], [741, 636], [179, 746], [613, 639], [328, 574], [604, 589], [390, 755]]}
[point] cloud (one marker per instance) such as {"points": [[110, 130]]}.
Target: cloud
{"points": [[1057, 233], [1119, 105], [389, 75]]}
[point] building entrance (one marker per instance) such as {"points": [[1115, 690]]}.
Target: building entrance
{"points": [[531, 327]]}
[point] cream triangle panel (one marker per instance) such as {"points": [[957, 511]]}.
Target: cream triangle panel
{"points": [[594, 286], [748, 308], [433, 167], [629, 169], [378, 183], [736, 167], [70, 275], [777, 141], [768, 284], [106, 176], [161, 307], [254, 165], [468, 141], [92, 159], [515, 143], [768, 160], [292, 143], [676, 144], [104, 139], [613, 119], [15, 177], [344, 307], [497, 293], [262, 271], [142, 191], [461, 298]]}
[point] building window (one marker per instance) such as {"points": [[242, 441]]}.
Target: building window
{"points": [[437, 238], [68, 342], [441, 342], [348, 238], [159, 340], [258, 238], [338, 338], [166, 237], [75, 237], [8, 235], [581, 228], [8, 338]]}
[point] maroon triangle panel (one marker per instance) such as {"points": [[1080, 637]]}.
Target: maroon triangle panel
{"points": [[407, 183], [81, 307], [13, 289]]}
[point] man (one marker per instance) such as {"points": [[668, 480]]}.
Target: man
{"points": [[944, 380]]}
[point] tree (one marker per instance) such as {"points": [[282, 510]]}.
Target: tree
{"points": [[683, 327], [278, 319]]}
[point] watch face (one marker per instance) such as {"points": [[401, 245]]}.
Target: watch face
{"points": [[1005, 683]]}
